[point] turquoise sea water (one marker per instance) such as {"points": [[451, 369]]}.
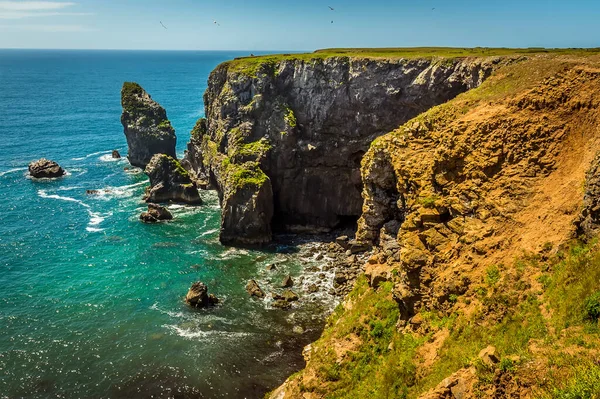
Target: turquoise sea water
{"points": [[91, 300]]}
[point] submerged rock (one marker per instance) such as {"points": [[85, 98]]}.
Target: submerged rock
{"points": [[44, 168], [198, 296], [146, 127], [116, 155], [169, 182], [254, 289], [155, 214]]}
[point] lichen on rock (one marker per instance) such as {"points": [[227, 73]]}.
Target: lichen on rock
{"points": [[147, 129]]}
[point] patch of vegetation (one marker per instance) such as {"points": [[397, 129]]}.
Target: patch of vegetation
{"points": [[592, 306], [253, 151], [492, 275], [290, 118], [248, 174], [429, 202]]}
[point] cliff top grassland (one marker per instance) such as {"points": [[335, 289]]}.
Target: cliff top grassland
{"points": [[490, 186], [250, 65]]}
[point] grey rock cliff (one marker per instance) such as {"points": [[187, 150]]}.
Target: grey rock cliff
{"points": [[146, 126], [306, 126]]}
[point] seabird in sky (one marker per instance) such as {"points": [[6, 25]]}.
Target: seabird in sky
{"points": [[216, 23], [331, 8], [163, 25]]}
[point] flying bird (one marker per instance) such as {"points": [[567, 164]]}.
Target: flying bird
{"points": [[331, 8], [216, 23], [331, 21], [163, 25]]}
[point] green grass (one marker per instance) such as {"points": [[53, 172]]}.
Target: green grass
{"points": [[267, 64]]}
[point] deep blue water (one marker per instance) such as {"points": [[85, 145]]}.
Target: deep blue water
{"points": [[92, 299]]}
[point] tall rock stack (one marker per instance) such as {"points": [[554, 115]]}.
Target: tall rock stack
{"points": [[147, 128]]}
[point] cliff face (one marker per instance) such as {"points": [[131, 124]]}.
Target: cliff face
{"points": [[303, 126], [147, 129], [471, 207]]}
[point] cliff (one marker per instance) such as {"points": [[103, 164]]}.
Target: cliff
{"points": [[473, 208], [147, 129], [284, 136]]}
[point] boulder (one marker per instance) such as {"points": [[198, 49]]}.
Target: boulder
{"points": [[169, 182], [281, 304], [254, 289], [343, 241], [272, 267], [156, 213], [116, 154], [356, 247], [45, 169], [489, 356], [289, 295], [147, 129], [92, 192], [287, 282], [198, 296]]}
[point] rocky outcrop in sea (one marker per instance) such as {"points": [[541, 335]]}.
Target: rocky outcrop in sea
{"points": [[45, 169], [155, 214], [146, 126], [170, 182]]}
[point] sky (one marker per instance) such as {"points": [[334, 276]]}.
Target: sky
{"points": [[297, 25]]}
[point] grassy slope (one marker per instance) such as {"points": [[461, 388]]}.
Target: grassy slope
{"points": [[385, 363], [533, 308]]}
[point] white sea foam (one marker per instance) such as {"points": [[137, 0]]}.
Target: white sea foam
{"points": [[91, 155], [118, 192], [208, 232], [109, 158], [95, 217], [11, 171], [205, 334]]}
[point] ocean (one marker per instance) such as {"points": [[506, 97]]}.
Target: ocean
{"points": [[92, 299]]}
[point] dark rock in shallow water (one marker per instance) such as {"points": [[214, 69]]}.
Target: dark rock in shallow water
{"points": [[156, 213], [254, 289], [281, 304], [287, 282], [146, 127], [272, 267], [198, 296], [116, 154], [44, 168], [92, 192], [170, 182]]}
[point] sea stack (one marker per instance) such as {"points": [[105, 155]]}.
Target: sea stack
{"points": [[170, 182], [45, 169], [146, 126]]}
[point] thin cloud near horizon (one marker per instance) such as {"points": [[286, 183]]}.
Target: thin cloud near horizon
{"points": [[18, 10], [34, 5]]}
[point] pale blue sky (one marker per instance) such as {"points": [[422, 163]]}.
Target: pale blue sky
{"points": [[298, 24]]}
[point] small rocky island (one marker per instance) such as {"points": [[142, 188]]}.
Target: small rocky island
{"points": [[45, 169], [147, 128], [170, 182]]}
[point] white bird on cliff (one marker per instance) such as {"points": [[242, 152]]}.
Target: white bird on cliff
{"points": [[163, 25]]}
